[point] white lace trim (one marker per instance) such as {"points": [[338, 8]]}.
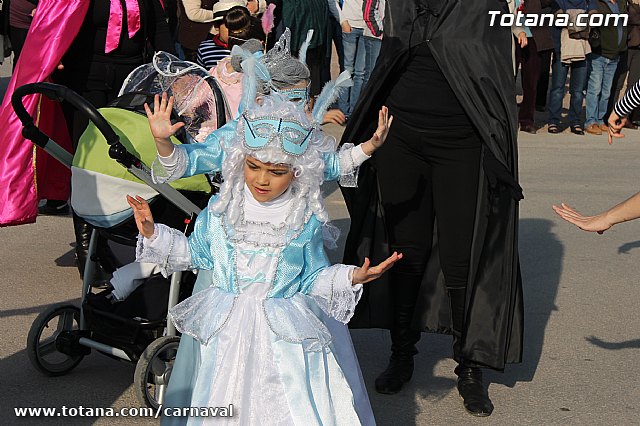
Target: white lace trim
{"points": [[350, 158], [335, 294], [167, 247], [170, 168]]}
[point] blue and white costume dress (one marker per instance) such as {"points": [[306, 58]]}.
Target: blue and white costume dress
{"points": [[265, 328]]}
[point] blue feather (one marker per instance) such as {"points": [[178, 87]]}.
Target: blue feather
{"points": [[329, 94], [302, 57]]}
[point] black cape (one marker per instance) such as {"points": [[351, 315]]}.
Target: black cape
{"points": [[476, 60]]}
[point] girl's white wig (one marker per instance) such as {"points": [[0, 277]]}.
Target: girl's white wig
{"points": [[308, 168]]}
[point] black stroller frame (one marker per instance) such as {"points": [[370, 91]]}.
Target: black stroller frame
{"points": [[72, 339]]}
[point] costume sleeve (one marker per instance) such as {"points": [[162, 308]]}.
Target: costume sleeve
{"points": [[315, 260], [173, 251], [195, 12], [194, 158], [344, 164], [171, 167], [334, 292], [629, 102], [167, 247], [330, 286], [199, 242]]}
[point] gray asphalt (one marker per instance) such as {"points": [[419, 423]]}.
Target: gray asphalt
{"points": [[582, 341]]}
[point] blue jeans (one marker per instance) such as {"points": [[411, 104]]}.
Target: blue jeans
{"points": [[601, 72], [576, 87], [353, 44], [372, 49]]}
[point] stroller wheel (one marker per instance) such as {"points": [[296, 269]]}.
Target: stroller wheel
{"points": [[154, 369], [41, 341]]}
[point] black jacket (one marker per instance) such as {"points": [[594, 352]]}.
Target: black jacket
{"points": [[476, 60], [610, 46]]}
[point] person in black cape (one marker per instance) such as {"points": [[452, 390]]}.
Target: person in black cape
{"points": [[443, 191]]}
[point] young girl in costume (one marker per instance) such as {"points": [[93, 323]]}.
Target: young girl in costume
{"points": [[267, 335]]}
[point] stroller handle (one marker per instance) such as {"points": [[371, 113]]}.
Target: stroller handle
{"points": [[58, 93]]}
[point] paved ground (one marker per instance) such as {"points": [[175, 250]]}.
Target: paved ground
{"points": [[581, 297]]}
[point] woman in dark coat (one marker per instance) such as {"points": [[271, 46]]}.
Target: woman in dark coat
{"points": [[96, 65], [449, 167]]}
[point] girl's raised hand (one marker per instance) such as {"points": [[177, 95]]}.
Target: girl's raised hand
{"points": [[384, 123], [142, 215], [365, 273], [160, 118]]}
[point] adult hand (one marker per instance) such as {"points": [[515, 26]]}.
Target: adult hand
{"points": [[142, 215], [334, 116], [160, 118], [615, 126], [522, 39], [346, 27], [364, 274], [598, 223]]}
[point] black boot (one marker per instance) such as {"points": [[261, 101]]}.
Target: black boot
{"points": [[472, 390], [406, 283], [403, 349], [398, 372], [470, 386]]}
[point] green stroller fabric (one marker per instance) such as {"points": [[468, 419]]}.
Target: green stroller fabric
{"points": [[100, 184]]}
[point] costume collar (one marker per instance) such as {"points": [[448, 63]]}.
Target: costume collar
{"points": [[280, 201]]}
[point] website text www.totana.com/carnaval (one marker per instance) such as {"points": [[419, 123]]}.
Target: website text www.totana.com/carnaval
{"points": [[556, 19], [81, 411]]}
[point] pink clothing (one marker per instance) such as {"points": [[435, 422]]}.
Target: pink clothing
{"points": [[230, 83], [114, 27], [54, 27]]}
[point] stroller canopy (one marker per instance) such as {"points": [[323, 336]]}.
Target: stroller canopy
{"points": [[199, 101]]}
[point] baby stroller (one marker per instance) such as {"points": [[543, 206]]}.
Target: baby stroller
{"points": [[114, 155]]}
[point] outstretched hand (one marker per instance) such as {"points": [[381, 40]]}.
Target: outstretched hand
{"points": [[384, 123], [160, 117], [380, 135], [142, 215], [365, 273], [598, 223]]}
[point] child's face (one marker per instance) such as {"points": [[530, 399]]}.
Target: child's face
{"points": [[266, 181]]}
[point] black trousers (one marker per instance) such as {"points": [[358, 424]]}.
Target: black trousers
{"points": [[17, 37], [428, 179]]}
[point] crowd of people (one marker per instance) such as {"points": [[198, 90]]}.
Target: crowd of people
{"points": [[266, 325], [598, 60]]}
